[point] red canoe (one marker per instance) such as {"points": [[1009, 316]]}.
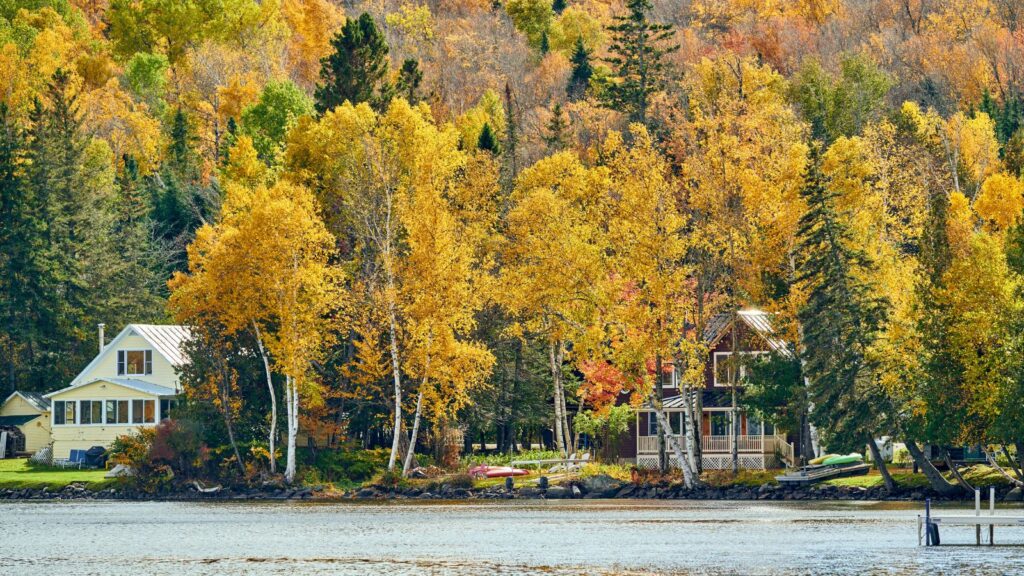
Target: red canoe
{"points": [[484, 471]]}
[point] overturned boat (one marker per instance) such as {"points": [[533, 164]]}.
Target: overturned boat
{"points": [[825, 468]]}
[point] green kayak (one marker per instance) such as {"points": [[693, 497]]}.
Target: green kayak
{"points": [[851, 459]]}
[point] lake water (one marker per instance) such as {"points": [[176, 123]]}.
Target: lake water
{"points": [[535, 537]]}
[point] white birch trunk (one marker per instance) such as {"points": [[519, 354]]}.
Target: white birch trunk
{"points": [[556, 373], [292, 402], [272, 437], [673, 442], [395, 369], [415, 431], [691, 438]]}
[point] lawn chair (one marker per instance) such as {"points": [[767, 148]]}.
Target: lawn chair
{"points": [[75, 460]]}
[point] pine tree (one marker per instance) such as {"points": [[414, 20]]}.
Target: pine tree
{"points": [[638, 50], [357, 70], [487, 140], [24, 273], [409, 79], [558, 6], [557, 137], [841, 318], [579, 82], [545, 44]]}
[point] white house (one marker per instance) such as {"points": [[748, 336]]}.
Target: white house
{"points": [[131, 383]]}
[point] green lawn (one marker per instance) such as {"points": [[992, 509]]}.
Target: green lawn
{"points": [[980, 476], [16, 473]]}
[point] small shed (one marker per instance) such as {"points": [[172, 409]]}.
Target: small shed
{"points": [[29, 413]]}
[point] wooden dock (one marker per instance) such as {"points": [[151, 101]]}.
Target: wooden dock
{"points": [[929, 524]]}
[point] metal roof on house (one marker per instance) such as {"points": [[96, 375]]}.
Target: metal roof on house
{"points": [[758, 321], [34, 399], [134, 384], [168, 339]]}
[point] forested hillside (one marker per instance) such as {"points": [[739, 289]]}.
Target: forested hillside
{"points": [[408, 218]]}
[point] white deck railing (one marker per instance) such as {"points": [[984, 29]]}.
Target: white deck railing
{"points": [[723, 444]]}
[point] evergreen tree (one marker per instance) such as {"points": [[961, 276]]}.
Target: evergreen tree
{"points": [[638, 50], [558, 6], [557, 137], [841, 318], [357, 70], [579, 81], [25, 275], [487, 140], [409, 79], [180, 200], [545, 44]]}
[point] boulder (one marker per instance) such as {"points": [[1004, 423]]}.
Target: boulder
{"points": [[601, 483], [1014, 495], [364, 493], [557, 492], [576, 493]]}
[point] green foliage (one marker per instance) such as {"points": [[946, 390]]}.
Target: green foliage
{"points": [[606, 429], [488, 140], [409, 78], [146, 76], [346, 466], [638, 52], [267, 122], [840, 106], [357, 70], [532, 18], [841, 319], [775, 390]]}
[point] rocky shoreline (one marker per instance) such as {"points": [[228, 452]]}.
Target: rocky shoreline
{"points": [[590, 488]]}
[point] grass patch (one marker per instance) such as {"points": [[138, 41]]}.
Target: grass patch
{"points": [[17, 474], [745, 478], [979, 476]]}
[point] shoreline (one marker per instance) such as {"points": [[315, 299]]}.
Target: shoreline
{"points": [[574, 491]]}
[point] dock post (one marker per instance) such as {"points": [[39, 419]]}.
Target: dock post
{"points": [[992, 512], [977, 512], [927, 521]]}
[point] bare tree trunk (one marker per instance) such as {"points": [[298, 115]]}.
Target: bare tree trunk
{"points": [[734, 444], [935, 478], [956, 473], [396, 371], [876, 455], [659, 390], [411, 452], [691, 441], [992, 462], [556, 377], [292, 401], [689, 480], [1013, 463], [273, 399]]}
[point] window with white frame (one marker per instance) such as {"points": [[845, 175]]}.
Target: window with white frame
{"points": [[117, 411], [723, 365], [64, 412], [677, 419], [91, 411], [143, 411], [166, 406], [134, 362]]}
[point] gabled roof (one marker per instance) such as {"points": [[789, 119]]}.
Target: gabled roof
{"points": [[134, 384], [757, 320], [166, 339], [34, 399]]}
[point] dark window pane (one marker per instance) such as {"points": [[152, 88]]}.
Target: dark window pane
{"points": [[122, 411], [137, 411], [58, 412]]}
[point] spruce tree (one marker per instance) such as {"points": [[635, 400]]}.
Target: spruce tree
{"points": [[487, 140], [841, 318], [545, 44], [558, 6], [409, 79], [357, 70], [579, 81], [557, 136], [638, 50]]}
